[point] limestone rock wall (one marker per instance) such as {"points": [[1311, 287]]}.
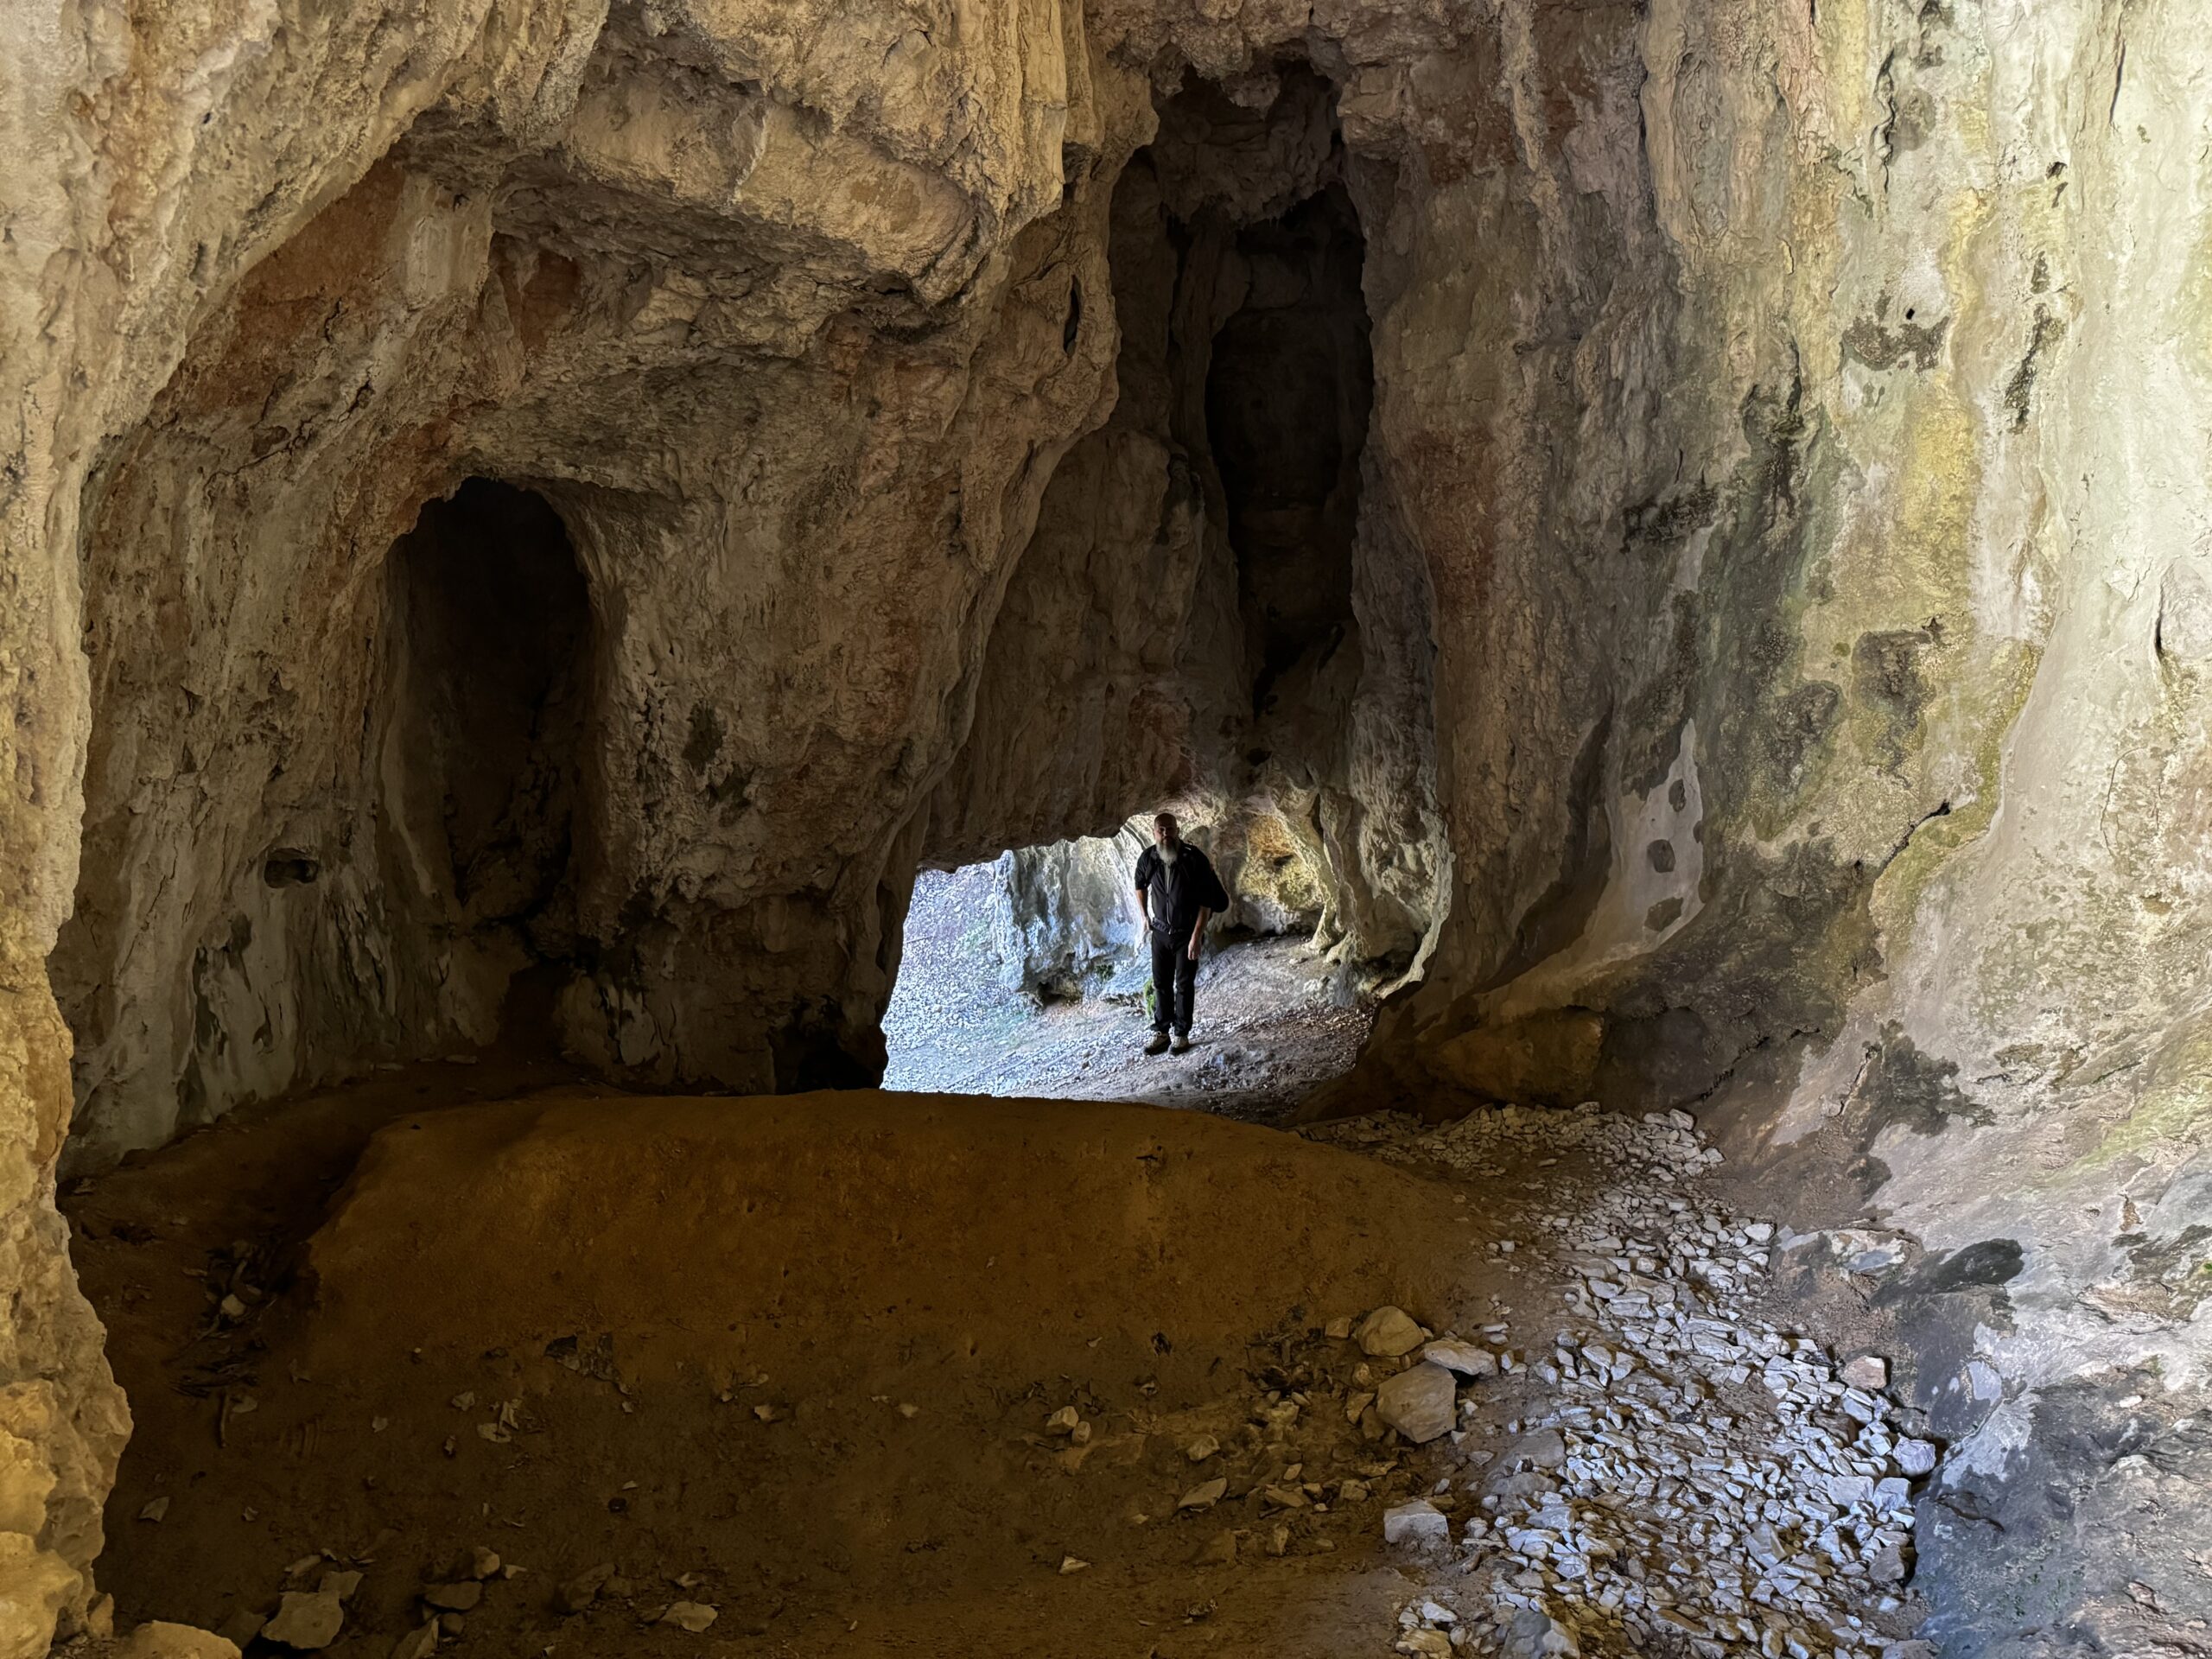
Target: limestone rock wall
{"points": [[1866, 823], [726, 457], [278, 278], [1218, 610], [1063, 923]]}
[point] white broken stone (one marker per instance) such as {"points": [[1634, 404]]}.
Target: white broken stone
{"points": [[1388, 1333], [1417, 1521], [1420, 1403], [1457, 1354], [1536, 1635]]}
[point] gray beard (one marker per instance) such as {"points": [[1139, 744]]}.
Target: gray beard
{"points": [[1169, 852]]}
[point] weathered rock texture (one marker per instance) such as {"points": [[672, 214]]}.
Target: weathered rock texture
{"points": [[1063, 918], [1728, 603]]}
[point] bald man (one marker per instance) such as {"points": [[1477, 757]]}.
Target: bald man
{"points": [[1177, 891]]}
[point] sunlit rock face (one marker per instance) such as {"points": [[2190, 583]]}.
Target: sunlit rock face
{"points": [[1681, 523]]}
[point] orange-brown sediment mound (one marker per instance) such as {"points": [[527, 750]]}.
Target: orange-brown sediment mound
{"points": [[837, 1230]]}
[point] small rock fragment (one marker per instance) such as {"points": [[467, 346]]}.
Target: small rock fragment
{"points": [[154, 1511], [1071, 1564], [1388, 1332], [456, 1598], [1868, 1371], [1063, 1421], [1420, 1403], [1457, 1354], [1202, 1448], [1204, 1494], [1541, 1448], [1916, 1457], [1534, 1634], [418, 1643], [1417, 1521], [162, 1641], [1339, 1329], [692, 1616], [306, 1619], [482, 1562]]}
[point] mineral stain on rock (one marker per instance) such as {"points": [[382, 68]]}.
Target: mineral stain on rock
{"points": [[1877, 346]]}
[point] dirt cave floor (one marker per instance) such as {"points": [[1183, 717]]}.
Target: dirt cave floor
{"points": [[861, 1374], [1272, 1021]]}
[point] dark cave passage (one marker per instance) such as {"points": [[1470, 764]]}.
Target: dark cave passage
{"points": [[1287, 393], [489, 690]]}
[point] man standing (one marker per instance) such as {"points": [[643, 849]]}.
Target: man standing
{"points": [[1177, 890]]}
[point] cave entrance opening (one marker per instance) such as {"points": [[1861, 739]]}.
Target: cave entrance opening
{"points": [[1027, 974], [486, 723]]}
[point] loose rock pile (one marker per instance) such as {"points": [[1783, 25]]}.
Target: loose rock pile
{"points": [[1696, 1478]]}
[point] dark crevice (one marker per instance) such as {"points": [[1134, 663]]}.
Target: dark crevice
{"points": [[1287, 393], [489, 696]]}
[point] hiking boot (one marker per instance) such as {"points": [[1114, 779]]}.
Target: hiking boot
{"points": [[1158, 1045], [1182, 1043]]}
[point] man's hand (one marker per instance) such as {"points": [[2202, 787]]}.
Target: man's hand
{"points": [[1197, 933]]}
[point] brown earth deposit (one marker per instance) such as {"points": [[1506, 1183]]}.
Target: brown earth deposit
{"points": [[792, 1358]]}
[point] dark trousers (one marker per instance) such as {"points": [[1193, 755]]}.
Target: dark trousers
{"points": [[1174, 979]]}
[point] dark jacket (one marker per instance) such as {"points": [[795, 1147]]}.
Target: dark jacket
{"points": [[1179, 890]]}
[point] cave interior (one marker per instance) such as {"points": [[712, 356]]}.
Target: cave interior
{"points": [[592, 1039]]}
